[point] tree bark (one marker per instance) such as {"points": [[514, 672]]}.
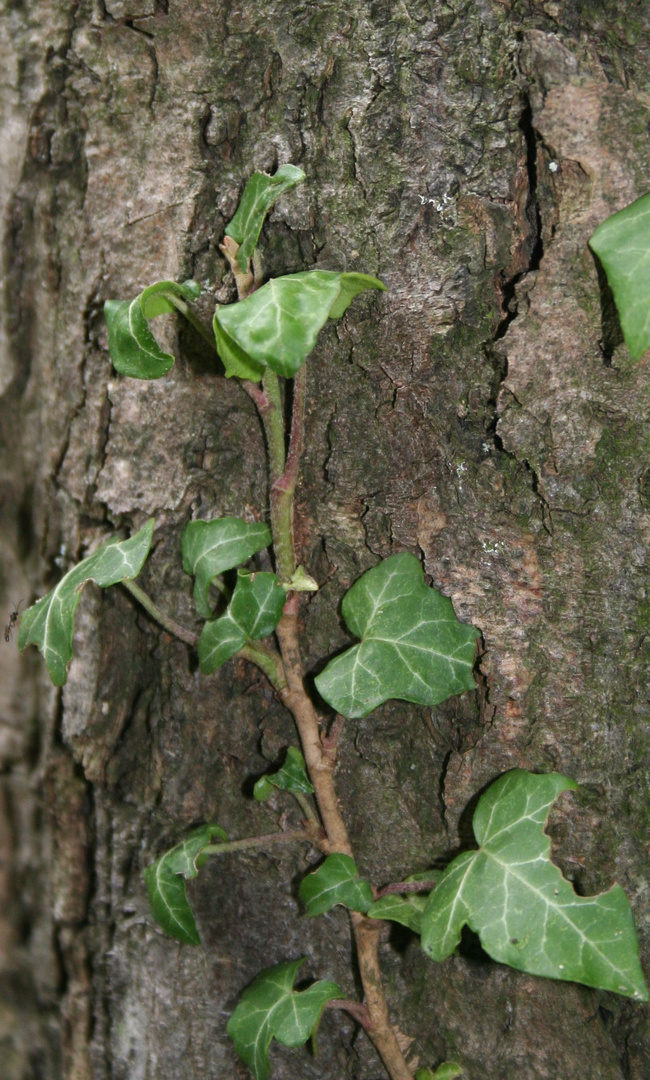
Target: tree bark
{"points": [[483, 414]]}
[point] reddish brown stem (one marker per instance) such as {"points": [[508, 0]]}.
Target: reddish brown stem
{"points": [[399, 887], [321, 770], [355, 1009]]}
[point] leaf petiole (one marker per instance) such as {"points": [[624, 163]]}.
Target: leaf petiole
{"points": [[268, 661], [185, 310], [260, 842], [165, 621]]}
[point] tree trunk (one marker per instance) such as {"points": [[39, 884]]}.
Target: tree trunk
{"points": [[482, 414]]}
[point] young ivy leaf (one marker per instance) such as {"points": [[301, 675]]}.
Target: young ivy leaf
{"points": [[131, 344], [292, 776], [270, 1008], [254, 612], [526, 914], [336, 881], [622, 243], [449, 1070], [260, 193], [49, 623], [412, 645], [211, 547], [165, 880], [406, 909], [278, 325]]}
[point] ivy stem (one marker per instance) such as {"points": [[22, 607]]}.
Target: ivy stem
{"points": [[320, 763], [281, 493], [185, 310], [320, 759], [251, 842], [165, 621]]}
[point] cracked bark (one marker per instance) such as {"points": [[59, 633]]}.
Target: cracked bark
{"points": [[483, 415]]}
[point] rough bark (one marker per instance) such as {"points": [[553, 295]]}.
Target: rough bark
{"points": [[483, 414]]}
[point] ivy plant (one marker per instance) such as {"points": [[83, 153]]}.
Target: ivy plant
{"points": [[410, 646], [622, 243]]}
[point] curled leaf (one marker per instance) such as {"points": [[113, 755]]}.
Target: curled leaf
{"points": [[254, 612], [278, 325], [49, 623], [131, 343], [165, 880], [336, 881], [211, 547], [258, 198], [622, 243], [412, 645], [526, 914], [292, 776], [270, 1008]]}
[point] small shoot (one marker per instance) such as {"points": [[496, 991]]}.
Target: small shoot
{"points": [[336, 881], [209, 548], [526, 914], [270, 1008], [253, 613], [291, 776], [49, 623], [165, 880], [412, 645], [260, 194]]}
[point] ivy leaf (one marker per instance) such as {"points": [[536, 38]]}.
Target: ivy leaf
{"points": [[211, 547], [525, 913], [133, 348], [622, 243], [270, 1008], [449, 1070], [235, 360], [336, 881], [292, 776], [165, 880], [278, 325], [260, 193], [49, 623], [412, 645], [406, 909], [254, 612]]}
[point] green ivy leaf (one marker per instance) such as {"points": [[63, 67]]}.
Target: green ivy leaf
{"points": [[211, 547], [270, 1008], [622, 243], [260, 193], [49, 623], [525, 913], [254, 612], [165, 880], [412, 645], [449, 1070], [407, 908], [292, 776], [235, 360], [133, 348], [278, 325], [336, 881]]}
